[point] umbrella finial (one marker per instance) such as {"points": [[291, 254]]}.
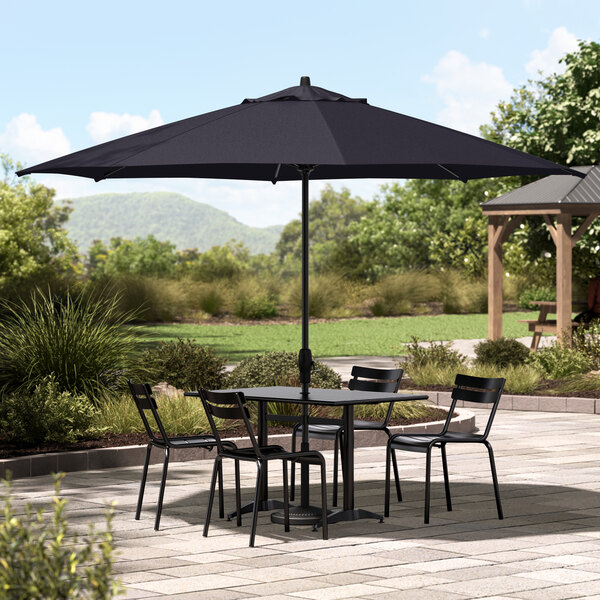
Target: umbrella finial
{"points": [[305, 80]]}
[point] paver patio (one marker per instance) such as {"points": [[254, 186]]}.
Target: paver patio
{"points": [[548, 545]]}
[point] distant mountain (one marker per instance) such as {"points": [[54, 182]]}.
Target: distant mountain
{"points": [[168, 217]]}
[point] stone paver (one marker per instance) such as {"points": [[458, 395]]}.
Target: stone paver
{"points": [[547, 546]]}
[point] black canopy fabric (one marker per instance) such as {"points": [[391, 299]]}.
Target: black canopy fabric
{"points": [[300, 132], [264, 138]]}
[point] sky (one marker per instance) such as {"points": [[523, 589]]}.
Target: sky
{"points": [[75, 73]]}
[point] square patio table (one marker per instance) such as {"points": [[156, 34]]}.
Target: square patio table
{"points": [[306, 514]]}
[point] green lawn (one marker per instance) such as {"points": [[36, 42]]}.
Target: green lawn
{"points": [[352, 337]]}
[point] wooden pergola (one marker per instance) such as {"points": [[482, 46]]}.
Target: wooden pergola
{"points": [[557, 198]]}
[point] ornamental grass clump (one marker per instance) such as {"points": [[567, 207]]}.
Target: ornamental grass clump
{"points": [[82, 342], [41, 559]]}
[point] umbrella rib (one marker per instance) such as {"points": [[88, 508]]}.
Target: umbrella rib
{"points": [[452, 173]]}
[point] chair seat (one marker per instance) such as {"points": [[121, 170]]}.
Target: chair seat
{"points": [[321, 432], [189, 441], [250, 453], [359, 424], [420, 442]]}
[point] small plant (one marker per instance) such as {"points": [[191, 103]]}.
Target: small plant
{"points": [[520, 379], [587, 341], [82, 342], [184, 364], [503, 352], [558, 361], [46, 415], [40, 559], [434, 353], [536, 293]]}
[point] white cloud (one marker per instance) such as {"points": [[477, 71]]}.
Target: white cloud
{"points": [[105, 126], [26, 142], [470, 91], [560, 42]]}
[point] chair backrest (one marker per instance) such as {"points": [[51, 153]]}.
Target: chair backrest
{"points": [[376, 380], [482, 390], [228, 406], [145, 402]]}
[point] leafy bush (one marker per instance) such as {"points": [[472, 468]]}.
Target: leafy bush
{"points": [[397, 294], [42, 559], [587, 341], [46, 415], [501, 353], [82, 342], [435, 353], [558, 361], [533, 293], [183, 364], [281, 368]]}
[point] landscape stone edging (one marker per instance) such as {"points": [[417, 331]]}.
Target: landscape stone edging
{"points": [[128, 456]]}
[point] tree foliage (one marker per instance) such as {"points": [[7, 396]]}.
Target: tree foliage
{"points": [[32, 236]]}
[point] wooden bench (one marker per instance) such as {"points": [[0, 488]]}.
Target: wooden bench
{"points": [[539, 327]]}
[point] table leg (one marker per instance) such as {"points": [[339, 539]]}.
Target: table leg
{"points": [[263, 439], [349, 513]]}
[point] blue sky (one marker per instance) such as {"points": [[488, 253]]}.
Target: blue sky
{"points": [[78, 73]]}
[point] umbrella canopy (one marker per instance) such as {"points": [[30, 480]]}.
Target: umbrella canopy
{"points": [[297, 133]]}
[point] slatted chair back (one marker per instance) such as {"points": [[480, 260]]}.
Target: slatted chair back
{"points": [[146, 405], [482, 390], [228, 406], [367, 379]]}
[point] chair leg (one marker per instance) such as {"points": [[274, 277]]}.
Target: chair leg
{"points": [[335, 470], [495, 479], [446, 479], [388, 454], [427, 484], [259, 477], [211, 495], [293, 468], [238, 495], [396, 477], [221, 502], [286, 497], [161, 493], [324, 501], [143, 483]]}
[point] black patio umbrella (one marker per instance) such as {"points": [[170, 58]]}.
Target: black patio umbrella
{"points": [[299, 133]]}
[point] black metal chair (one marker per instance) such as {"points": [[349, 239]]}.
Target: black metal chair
{"points": [[231, 406], [468, 389], [365, 379], [146, 403]]}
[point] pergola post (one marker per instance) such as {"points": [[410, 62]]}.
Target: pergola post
{"points": [[495, 225], [564, 306]]}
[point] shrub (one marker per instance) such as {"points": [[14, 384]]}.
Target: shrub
{"points": [[398, 294], [281, 368], [587, 341], [533, 293], [461, 295], [501, 353], [558, 361], [46, 415], [42, 559], [82, 342], [435, 353], [183, 364]]}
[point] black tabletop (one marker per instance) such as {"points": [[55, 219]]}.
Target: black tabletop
{"points": [[321, 396]]}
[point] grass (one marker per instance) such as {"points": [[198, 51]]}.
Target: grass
{"points": [[351, 337]]}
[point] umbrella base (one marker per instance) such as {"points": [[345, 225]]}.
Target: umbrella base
{"points": [[299, 515]]}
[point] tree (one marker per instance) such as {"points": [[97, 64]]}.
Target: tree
{"points": [[557, 118], [329, 219], [32, 239], [142, 256]]}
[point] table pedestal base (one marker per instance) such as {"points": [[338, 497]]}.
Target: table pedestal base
{"points": [[348, 515], [308, 515]]}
